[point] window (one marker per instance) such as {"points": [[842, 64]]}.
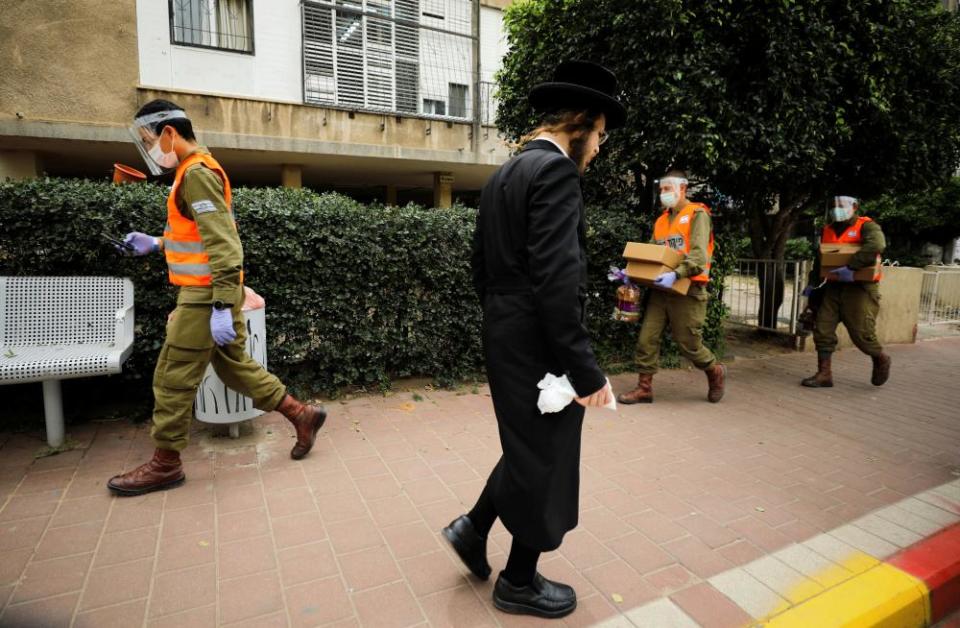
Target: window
{"points": [[222, 24], [381, 55], [435, 107], [458, 100], [434, 9]]}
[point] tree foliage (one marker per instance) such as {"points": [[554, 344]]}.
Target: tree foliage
{"points": [[910, 219], [778, 104]]}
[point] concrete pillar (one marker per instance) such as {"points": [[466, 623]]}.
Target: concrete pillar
{"points": [[17, 165], [291, 176], [442, 189], [390, 194]]}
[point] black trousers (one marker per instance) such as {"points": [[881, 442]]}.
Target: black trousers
{"points": [[522, 562]]}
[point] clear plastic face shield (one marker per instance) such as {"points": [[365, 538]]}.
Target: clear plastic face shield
{"points": [[842, 208], [148, 142], [670, 190]]}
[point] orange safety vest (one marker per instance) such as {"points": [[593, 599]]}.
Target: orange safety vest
{"points": [[187, 261], [851, 235], [676, 235]]}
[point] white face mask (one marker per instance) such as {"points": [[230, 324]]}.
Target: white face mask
{"points": [[669, 199], [841, 214], [164, 160]]}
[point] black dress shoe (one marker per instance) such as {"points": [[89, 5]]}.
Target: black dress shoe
{"points": [[469, 545], [542, 597]]}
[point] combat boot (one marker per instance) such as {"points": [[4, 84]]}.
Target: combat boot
{"points": [[306, 419], [881, 369], [716, 375], [824, 375], [160, 472], [643, 393]]}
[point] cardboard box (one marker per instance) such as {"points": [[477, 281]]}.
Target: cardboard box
{"points": [[646, 262], [833, 256]]}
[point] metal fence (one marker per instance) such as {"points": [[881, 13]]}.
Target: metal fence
{"points": [[765, 294], [940, 296], [413, 57]]}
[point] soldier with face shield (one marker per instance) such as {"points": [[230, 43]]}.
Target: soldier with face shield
{"points": [[842, 299], [686, 227], [205, 261]]}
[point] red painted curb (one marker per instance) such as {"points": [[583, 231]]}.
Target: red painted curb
{"points": [[936, 561]]}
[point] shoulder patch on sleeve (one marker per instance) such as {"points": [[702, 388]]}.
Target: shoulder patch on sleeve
{"points": [[203, 207]]}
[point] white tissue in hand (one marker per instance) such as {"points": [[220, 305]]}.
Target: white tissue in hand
{"points": [[556, 393]]}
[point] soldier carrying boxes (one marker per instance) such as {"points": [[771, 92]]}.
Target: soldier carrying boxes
{"points": [[849, 267], [680, 267]]}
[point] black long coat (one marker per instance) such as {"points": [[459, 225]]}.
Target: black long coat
{"points": [[530, 270]]}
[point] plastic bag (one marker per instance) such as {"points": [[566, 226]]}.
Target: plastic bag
{"points": [[252, 300], [627, 309]]}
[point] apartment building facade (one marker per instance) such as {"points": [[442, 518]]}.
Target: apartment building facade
{"points": [[382, 98]]}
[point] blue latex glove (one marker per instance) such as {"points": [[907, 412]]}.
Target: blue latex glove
{"points": [[666, 280], [221, 326], [843, 274], [142, 244], [807, 291]]}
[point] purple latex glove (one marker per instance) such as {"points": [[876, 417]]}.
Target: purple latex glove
{"points": [[221, 326], [142, 243], [843, 274], [666, 280], [807, 291]]}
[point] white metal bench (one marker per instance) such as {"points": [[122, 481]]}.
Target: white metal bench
{"points": [[54, 328]]}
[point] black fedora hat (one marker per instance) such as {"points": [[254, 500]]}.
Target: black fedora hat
{"points": [[581, 84]]}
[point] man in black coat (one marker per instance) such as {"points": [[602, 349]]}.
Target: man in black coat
{"points": [[530, 272]]}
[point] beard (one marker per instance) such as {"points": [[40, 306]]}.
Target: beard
{"points": [[578, 152]]}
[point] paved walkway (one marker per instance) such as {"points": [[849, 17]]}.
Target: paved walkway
{"points": [[673, 494]]}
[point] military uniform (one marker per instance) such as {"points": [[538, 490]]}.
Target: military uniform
{"points": [[189, 346], [205, 259], [685, 314], [855, 304]]}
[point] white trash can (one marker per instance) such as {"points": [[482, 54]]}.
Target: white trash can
{"points": [[215, 402]]}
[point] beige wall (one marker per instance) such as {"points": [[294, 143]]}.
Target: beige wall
{"points": [[16, 165], [69, 87], [68, 61], [496, 4], [899, 308]]}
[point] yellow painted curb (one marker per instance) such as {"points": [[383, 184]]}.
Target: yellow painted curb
{"points": [[880, 596]]}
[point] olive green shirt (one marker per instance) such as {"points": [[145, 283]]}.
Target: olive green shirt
{"points": [[200, 198], [696, 260], [873, 243]]}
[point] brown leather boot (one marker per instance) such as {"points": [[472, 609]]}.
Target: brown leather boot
{"points": [[161, 472], [307, 419], [881, 369], [643, 393], [716, 375], [824, 375]]}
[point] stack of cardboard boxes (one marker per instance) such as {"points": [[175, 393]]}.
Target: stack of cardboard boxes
{"points": [[834, 256], [646, 262]]}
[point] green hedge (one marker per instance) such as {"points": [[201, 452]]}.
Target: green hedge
{"points": [[356, 295]]}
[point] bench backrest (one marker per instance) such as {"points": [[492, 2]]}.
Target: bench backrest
{"points": [[39, 311]]}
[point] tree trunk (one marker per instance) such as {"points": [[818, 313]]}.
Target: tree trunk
{"points": [[643, 178], [769, 232]]}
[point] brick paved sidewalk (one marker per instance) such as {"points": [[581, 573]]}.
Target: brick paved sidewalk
{"points": [[672, 495]]}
